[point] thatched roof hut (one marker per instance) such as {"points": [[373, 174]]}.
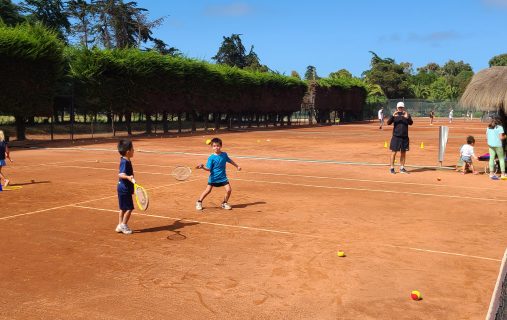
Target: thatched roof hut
{"points": [[487, 91]]}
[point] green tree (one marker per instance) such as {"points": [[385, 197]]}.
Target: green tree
{"points": [[431, 67], [232, 52], [161, 47], [453, 68], [295, 74], [51, 13], [342, 73], [390, 76], [10, 13], [311, 73], [83, 14], [499, 60]]}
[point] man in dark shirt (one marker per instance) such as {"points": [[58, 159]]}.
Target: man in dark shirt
{"points": [[400, 141]]}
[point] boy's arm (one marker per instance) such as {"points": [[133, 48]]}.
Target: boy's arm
{"points": [[202, 166], [123, 175], [234, 164]]}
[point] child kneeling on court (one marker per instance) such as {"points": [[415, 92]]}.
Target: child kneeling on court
{"points": [[466, 155], [125, 186], [217, 175]]}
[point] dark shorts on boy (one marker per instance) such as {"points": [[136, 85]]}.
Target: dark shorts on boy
{"points": [[125, 201], [218, 184], [399, 143], [3, 163]]}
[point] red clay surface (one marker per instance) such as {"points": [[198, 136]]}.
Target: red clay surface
{"points": [[274, 255]]}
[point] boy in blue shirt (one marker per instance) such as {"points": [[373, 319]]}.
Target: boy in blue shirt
{"points": [[125, 186], [217, 175]]}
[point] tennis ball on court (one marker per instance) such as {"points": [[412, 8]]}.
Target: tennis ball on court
{"points": [[340, 254], [208, 142], [415, 295], [439, 179]]}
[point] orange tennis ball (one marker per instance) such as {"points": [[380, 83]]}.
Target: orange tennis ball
{"points": [[340, 254], [415, 295], [208, 142]]}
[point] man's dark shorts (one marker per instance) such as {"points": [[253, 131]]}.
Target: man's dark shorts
{"points": [[399, 143]]}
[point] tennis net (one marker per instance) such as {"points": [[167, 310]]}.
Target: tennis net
{"points": [[497, 308]]}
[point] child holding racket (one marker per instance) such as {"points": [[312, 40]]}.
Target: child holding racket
{"points": [[125, 186], [217, 175], [4, 154]]}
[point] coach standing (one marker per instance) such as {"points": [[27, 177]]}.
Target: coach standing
{"points": [[400, 141]]}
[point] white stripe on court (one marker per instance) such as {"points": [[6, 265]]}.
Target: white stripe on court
{"points": [[288, 233], [87, 201], [372, 190]]}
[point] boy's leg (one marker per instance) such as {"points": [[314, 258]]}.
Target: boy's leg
{"points": [[205, 193], [126, 216], [228, 190], [120, 216], [402, 158]]}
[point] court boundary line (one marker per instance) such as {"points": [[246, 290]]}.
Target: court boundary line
{"points": [[86, 201], [373, 190], [300, 160], [315, 186], [289, 233]]}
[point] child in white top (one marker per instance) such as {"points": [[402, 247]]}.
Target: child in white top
{"points": [[466, 155]]}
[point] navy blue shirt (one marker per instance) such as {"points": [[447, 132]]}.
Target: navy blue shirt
{"points": [[3, 146], [216, 165], [400, 124], [124, 185]]}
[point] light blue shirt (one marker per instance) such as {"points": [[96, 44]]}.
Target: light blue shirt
{"points": [[216, 165], [494, 136]]}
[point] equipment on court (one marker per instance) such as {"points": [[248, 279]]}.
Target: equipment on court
{"points": [[11, 188], [181, 173], [208, 142], [497, 307], [142, 199], [443, 134], [340, 254], [415, 295], [422, 145]]}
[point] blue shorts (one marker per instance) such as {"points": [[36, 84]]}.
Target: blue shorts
{"points": [[466, 159], [3, 163], [125, 201], [218, 184]]}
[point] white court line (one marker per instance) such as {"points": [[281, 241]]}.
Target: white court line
{"points": [[265, 158], [87, 201], [372, 190], [288, 233], [316, 186]]}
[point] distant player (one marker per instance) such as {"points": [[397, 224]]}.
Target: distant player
{"points": [[451, 115], [400, 141], [432, 115], [4, 154], [125, 186], [217, 175], [381, 117]]}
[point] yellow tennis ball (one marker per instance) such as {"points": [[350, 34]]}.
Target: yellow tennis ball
{"points": [[340, 254], [415, 295], [208, 142]]}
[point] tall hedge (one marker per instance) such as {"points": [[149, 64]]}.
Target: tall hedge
{"points": [[31, 61]]}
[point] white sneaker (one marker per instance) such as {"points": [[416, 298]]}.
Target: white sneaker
{"points": [[226, 206], [125, 229], [118, 228], [198, 205]]}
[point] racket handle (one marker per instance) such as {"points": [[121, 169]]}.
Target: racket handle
{"points": [[133, 181]]}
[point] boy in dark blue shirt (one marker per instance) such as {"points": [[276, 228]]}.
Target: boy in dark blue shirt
{"points": [[217, 175], [125, 186]]}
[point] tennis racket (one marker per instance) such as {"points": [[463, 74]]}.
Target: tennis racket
{"points": [[181, 173], [142, 199]]}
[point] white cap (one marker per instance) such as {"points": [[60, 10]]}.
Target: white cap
{"points": [[400, 105]]}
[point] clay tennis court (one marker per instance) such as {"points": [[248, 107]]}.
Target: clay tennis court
{"points": [[303, 194]]}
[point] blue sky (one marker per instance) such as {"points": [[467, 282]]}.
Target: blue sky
{"points": [[336, 34]]}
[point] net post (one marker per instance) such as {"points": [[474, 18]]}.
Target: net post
{"points": [[498, 302]]}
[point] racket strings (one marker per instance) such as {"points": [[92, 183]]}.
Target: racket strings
{"points": [[182, 173]]}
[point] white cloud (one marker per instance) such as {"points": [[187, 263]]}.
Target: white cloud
{"points": [[236, 9], [496, 3]]}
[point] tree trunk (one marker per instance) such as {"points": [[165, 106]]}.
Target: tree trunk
{"points": [[179, 122], [20, 127], [216, 117], [165, 125], [193, 116], [128, 122], [149, 123]]}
